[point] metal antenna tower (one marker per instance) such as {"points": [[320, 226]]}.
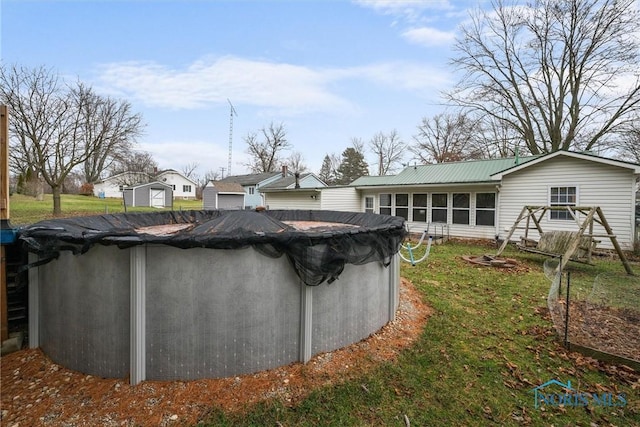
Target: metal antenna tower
{"points": [[231, 114]]}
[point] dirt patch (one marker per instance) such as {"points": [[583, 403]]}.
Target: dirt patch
{"points": [[36, 391]]}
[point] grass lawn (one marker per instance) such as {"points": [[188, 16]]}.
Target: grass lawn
{"points": [[489, 343], [26, 210]]}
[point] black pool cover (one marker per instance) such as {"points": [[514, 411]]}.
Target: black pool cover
{"points": [[317, 243]]}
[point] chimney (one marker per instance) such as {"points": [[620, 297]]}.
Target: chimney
{"points": [[284, 171], [297, 175]]}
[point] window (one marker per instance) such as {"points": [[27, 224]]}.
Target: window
{"points": [[368, 204], [439, 207], [420, 207], [486, 209], [173, 187], [402, 205], [461, 208], [186, 189], [562, 196], [120, 187], [385, 204], [252, 190]]}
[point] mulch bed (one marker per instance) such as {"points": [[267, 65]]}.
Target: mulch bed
{"points": [[38, 392]]}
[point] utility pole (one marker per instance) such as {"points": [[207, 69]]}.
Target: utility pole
{"points": [[232, 113]]}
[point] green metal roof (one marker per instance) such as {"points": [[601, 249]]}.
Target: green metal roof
{"points": [[472, 171]]}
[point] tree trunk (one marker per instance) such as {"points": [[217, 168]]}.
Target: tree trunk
{"points": [[57, 210]]}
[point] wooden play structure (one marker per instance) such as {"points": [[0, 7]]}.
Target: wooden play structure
{"points": [[568, 245]]}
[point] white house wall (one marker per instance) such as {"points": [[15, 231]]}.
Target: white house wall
{"points": [[178, 183], [109, 189], [610, 187], [344, 199], [293, 200]]}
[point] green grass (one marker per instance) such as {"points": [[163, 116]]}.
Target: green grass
{"points": [[488, 344], [26, 210]]}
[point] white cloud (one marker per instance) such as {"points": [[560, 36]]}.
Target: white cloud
{"points": [[287, 88], [206, 81], [426, 36]]}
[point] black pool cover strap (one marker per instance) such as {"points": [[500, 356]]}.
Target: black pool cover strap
{"points": [[317, 254]]}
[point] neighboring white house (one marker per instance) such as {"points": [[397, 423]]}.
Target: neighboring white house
{"points": [[183, 187], [482, 198], [113, 185]]}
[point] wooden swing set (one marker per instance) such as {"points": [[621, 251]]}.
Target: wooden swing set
{"points": [[568, 245]]}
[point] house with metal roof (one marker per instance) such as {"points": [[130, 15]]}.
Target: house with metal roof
{"points": [[483, 198]]}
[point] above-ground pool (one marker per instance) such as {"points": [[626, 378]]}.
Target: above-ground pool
{"points": [[208, 294]]}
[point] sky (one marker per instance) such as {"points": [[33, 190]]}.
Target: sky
{"points": [[328, 71]]}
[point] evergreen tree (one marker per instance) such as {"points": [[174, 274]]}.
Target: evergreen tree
{"points": [[328, 170], [353, 166]]}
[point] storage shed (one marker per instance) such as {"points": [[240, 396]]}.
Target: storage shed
{"points": [[154, 194]]}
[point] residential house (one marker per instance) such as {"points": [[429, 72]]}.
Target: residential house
{"points": [[305, 187], [252, 184], [113, 185], [483, 198], [183, 187]]}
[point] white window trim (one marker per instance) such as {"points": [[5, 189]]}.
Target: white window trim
{"points": [[412, 206]]}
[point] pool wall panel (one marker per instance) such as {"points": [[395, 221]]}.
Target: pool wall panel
{"points": [[216, 313], [84, 311]]}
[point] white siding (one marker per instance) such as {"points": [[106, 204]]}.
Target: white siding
{"points": [[292, 200], [344, 199], [177, 182], [107, 188], [610, 187]]}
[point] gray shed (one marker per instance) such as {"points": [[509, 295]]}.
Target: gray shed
{"points": [[222, 195], [155, 194]]}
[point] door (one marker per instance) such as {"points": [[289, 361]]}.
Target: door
{"points": [[157, 198]]}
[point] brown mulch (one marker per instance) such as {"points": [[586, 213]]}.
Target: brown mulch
{"points": [[37, 392]]}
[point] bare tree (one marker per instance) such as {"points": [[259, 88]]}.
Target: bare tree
{"points": [[189, 169], [266, 153], [108, 125], [446, 138], [56, 128], [138, 167], [45, 125], [389, 150], [629, 145], [295, 162], [562, 73], [358, 144]]}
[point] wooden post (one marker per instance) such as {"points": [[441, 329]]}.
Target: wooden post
{"points": [[4, 217]]}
